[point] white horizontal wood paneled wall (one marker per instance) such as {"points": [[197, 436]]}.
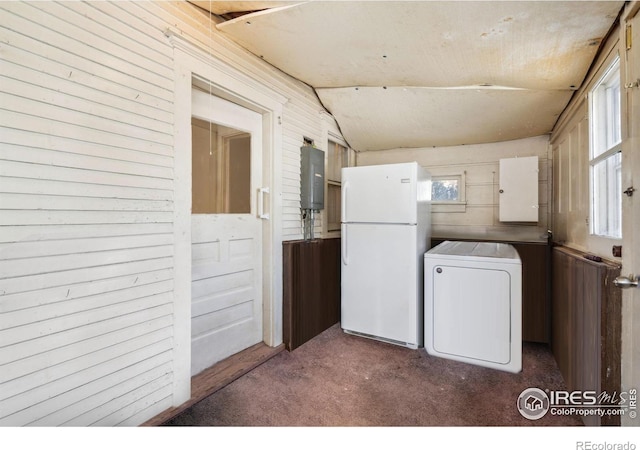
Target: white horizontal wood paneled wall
{"points": [[86, 237], [87, 201], [481, 164]]}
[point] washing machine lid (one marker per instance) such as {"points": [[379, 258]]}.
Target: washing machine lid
{"points": [[506, 253]]}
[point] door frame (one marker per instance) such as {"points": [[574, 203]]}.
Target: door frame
{"points": [[195, 65], [630, 364]]}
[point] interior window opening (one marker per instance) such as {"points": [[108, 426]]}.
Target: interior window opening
{"points": [[221, 169]]}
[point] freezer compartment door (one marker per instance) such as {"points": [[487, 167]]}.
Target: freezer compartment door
{"points": [[380, 194], [471, 314], [381, 289]]}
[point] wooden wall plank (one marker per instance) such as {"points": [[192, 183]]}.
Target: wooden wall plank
{"points": [[76, 203], [129, 23], [16, 79], [77, 408], [10, 185], [55, 311], [95, 372], [98, 26], [18, 69], [27, 233], [34, 249], [15, 118], [68, 290], [47, 172], [73, 321], [562, 316], [610, 338], [79, 74], [70, 114], [70, 280], [58, 33], [58, 356]]}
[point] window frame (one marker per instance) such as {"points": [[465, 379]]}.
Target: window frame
{"points": [[601, 148], [334, 228], [451, 206]]}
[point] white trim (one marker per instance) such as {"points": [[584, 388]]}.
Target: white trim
{"points": [[260, 94], [452, 206], [193, 62], [182, 240]]}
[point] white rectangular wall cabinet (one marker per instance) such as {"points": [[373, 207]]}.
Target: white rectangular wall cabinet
{"points": [[519, 189]]}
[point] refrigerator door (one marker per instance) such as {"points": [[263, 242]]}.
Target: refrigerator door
{"points": [[381, 289], [380, 194]]}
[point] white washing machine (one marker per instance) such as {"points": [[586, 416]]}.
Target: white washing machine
{"points": [[473, 304]]}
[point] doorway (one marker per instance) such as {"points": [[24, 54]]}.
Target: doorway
{"points": [[226, 230]]}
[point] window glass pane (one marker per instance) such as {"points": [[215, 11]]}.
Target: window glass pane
{"points": [[337, 159], [605, 162], [333, 207], [605, 112], [221, 169], [607, 194], [445, 190]]}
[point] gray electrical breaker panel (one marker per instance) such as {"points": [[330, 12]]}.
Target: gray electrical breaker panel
{"points": [[311, 178]]}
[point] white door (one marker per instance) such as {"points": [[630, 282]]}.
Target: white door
{"points": [[226, 232], [631, 219]]}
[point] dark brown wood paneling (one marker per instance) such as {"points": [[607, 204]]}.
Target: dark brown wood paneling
{"points": [[311, 289], [588, 336], [562, 315], [610, 338], [536, 309], [586, 325], [536, 317]]}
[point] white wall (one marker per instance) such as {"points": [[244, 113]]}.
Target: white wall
{"points": [[480, 163], [87, 298]]}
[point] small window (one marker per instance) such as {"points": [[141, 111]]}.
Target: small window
{"points": [[338, 157], [605, 158], [445, 189], [448, 193]]}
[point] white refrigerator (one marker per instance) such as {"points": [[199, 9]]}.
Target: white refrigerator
{"points": [[386, 229]]}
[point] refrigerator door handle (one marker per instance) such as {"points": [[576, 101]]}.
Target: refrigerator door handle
{"points": [[343, 205], [343, 240]]}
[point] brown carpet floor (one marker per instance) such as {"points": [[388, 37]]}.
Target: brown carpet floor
{"points": [[341, 380]]}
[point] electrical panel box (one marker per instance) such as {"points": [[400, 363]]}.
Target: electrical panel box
{"points": [[519, 189], [311, 178]]}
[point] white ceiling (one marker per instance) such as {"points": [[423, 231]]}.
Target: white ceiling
{"points": [[428, 73]]}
